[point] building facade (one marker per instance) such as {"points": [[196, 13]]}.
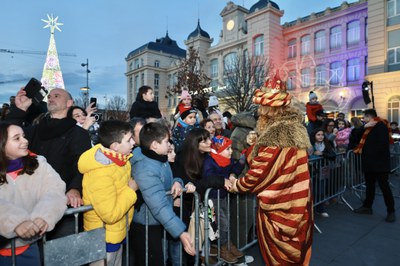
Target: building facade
{"points": [[384, 56], [330, 52]]}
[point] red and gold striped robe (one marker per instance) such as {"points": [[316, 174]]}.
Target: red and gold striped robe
{"points": [[281, 180]]}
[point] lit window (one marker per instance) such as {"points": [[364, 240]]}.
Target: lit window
{"points": [[353, 69]]}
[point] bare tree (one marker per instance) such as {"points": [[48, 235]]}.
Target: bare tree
{"points": [[242, 76], [80, 100], [117, 108], [190, 76]]}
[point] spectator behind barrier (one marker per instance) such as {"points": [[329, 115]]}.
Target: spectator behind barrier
{"points": [[153, 174], [107, 185], [61, 142], [32, 197]]}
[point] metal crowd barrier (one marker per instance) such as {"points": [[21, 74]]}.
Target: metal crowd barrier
{"points": [[244, 207], [89, 246]]}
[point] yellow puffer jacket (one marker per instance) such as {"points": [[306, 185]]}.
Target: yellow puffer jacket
{"points": [[105, 187]]}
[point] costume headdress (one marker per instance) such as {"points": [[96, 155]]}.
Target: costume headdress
{"points": [[273, 93]]}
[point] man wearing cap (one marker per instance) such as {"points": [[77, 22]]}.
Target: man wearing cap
{"points": [[279, 176]]}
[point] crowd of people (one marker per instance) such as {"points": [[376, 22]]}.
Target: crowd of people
{"points": [[63, 157]]}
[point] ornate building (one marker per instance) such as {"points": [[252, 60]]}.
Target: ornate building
{"points": [[325, 52]]}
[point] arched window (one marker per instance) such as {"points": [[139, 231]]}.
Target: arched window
{"points": [[353, 69], [336, 37], [229, 62], [353, 32], [305, 77], [320, 41], [305, 45], [292, 48]]}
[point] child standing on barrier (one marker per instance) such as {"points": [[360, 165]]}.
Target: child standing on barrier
{"points": [[153, 174], [107, 186], [32, 197], [221, 165]]}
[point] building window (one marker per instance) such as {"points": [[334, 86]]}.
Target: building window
{"points": [[292, 48], [137, 63], [320, 41], [305, 78], [130, 66], [142, 79], [353, 69], [320, 74], [142, 62], [353, 32], [214, 68], [336, 73], [291, 82], [156, 81], [305, 45], [393, 109], [259, 45], [214, 84], [336, 37], [366, 66], [394, 48], [393, 7], [157, 63], [136, 85], [229, 62]]}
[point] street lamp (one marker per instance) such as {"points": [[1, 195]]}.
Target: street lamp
{"points": [[86, 89]]}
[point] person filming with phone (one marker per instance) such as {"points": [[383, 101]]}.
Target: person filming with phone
{"points": [[60, 141]]}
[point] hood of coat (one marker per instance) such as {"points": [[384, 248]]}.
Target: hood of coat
{"points": [[245, 119], [93, 159]]}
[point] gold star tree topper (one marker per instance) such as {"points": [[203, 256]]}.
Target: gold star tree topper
{"points": [[52, 23]]}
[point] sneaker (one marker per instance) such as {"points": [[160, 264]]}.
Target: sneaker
{"points": [[324, 214], [235, 252], [390, 218], [226, 255], [363, 210]]}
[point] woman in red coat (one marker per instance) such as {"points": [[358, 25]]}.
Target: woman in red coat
{"points": [[280, 178]]}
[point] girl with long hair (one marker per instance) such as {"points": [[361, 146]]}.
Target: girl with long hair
{"points": [[32, 197]]}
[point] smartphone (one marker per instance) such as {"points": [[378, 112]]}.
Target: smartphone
{"points": [[35, 91], [93, 100]]}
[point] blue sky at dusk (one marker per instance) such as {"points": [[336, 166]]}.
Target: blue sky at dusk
{"points": [[105, 32]]}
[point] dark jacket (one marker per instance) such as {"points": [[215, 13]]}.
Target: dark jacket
{"points": [[355, 137], [60, 141], [212, 171], [376, 151], [145, 110], [243, 123]]}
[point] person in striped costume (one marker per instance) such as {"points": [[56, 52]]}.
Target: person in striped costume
{"points": [[279, 176]]}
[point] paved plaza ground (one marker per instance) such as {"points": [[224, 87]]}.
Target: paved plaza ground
{"points": [[350, 239]]}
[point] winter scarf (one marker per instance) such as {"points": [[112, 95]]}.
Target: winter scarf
{"points": [[116, 157], [368, 127]]}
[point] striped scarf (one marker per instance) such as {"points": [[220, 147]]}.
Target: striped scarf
{"points": [[118, 158], [368, 127]]}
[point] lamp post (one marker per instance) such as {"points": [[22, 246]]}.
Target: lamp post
{"points": [[86, 89]]}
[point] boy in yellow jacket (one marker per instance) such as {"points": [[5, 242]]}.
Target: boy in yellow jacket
{"points": [[107, 186]]}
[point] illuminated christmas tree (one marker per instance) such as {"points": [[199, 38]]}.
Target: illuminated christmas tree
{"points": [[52, 75]]}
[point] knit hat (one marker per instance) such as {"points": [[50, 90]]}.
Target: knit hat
{"points": [[185, 94], [185, 111], [312, 95], [213, 101], [273, 93], [220, 143]]}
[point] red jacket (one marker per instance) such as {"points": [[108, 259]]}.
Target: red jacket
{"points": [[311, 110]]}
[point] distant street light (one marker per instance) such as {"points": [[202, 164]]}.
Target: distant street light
{"points": [[86, 89]]}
